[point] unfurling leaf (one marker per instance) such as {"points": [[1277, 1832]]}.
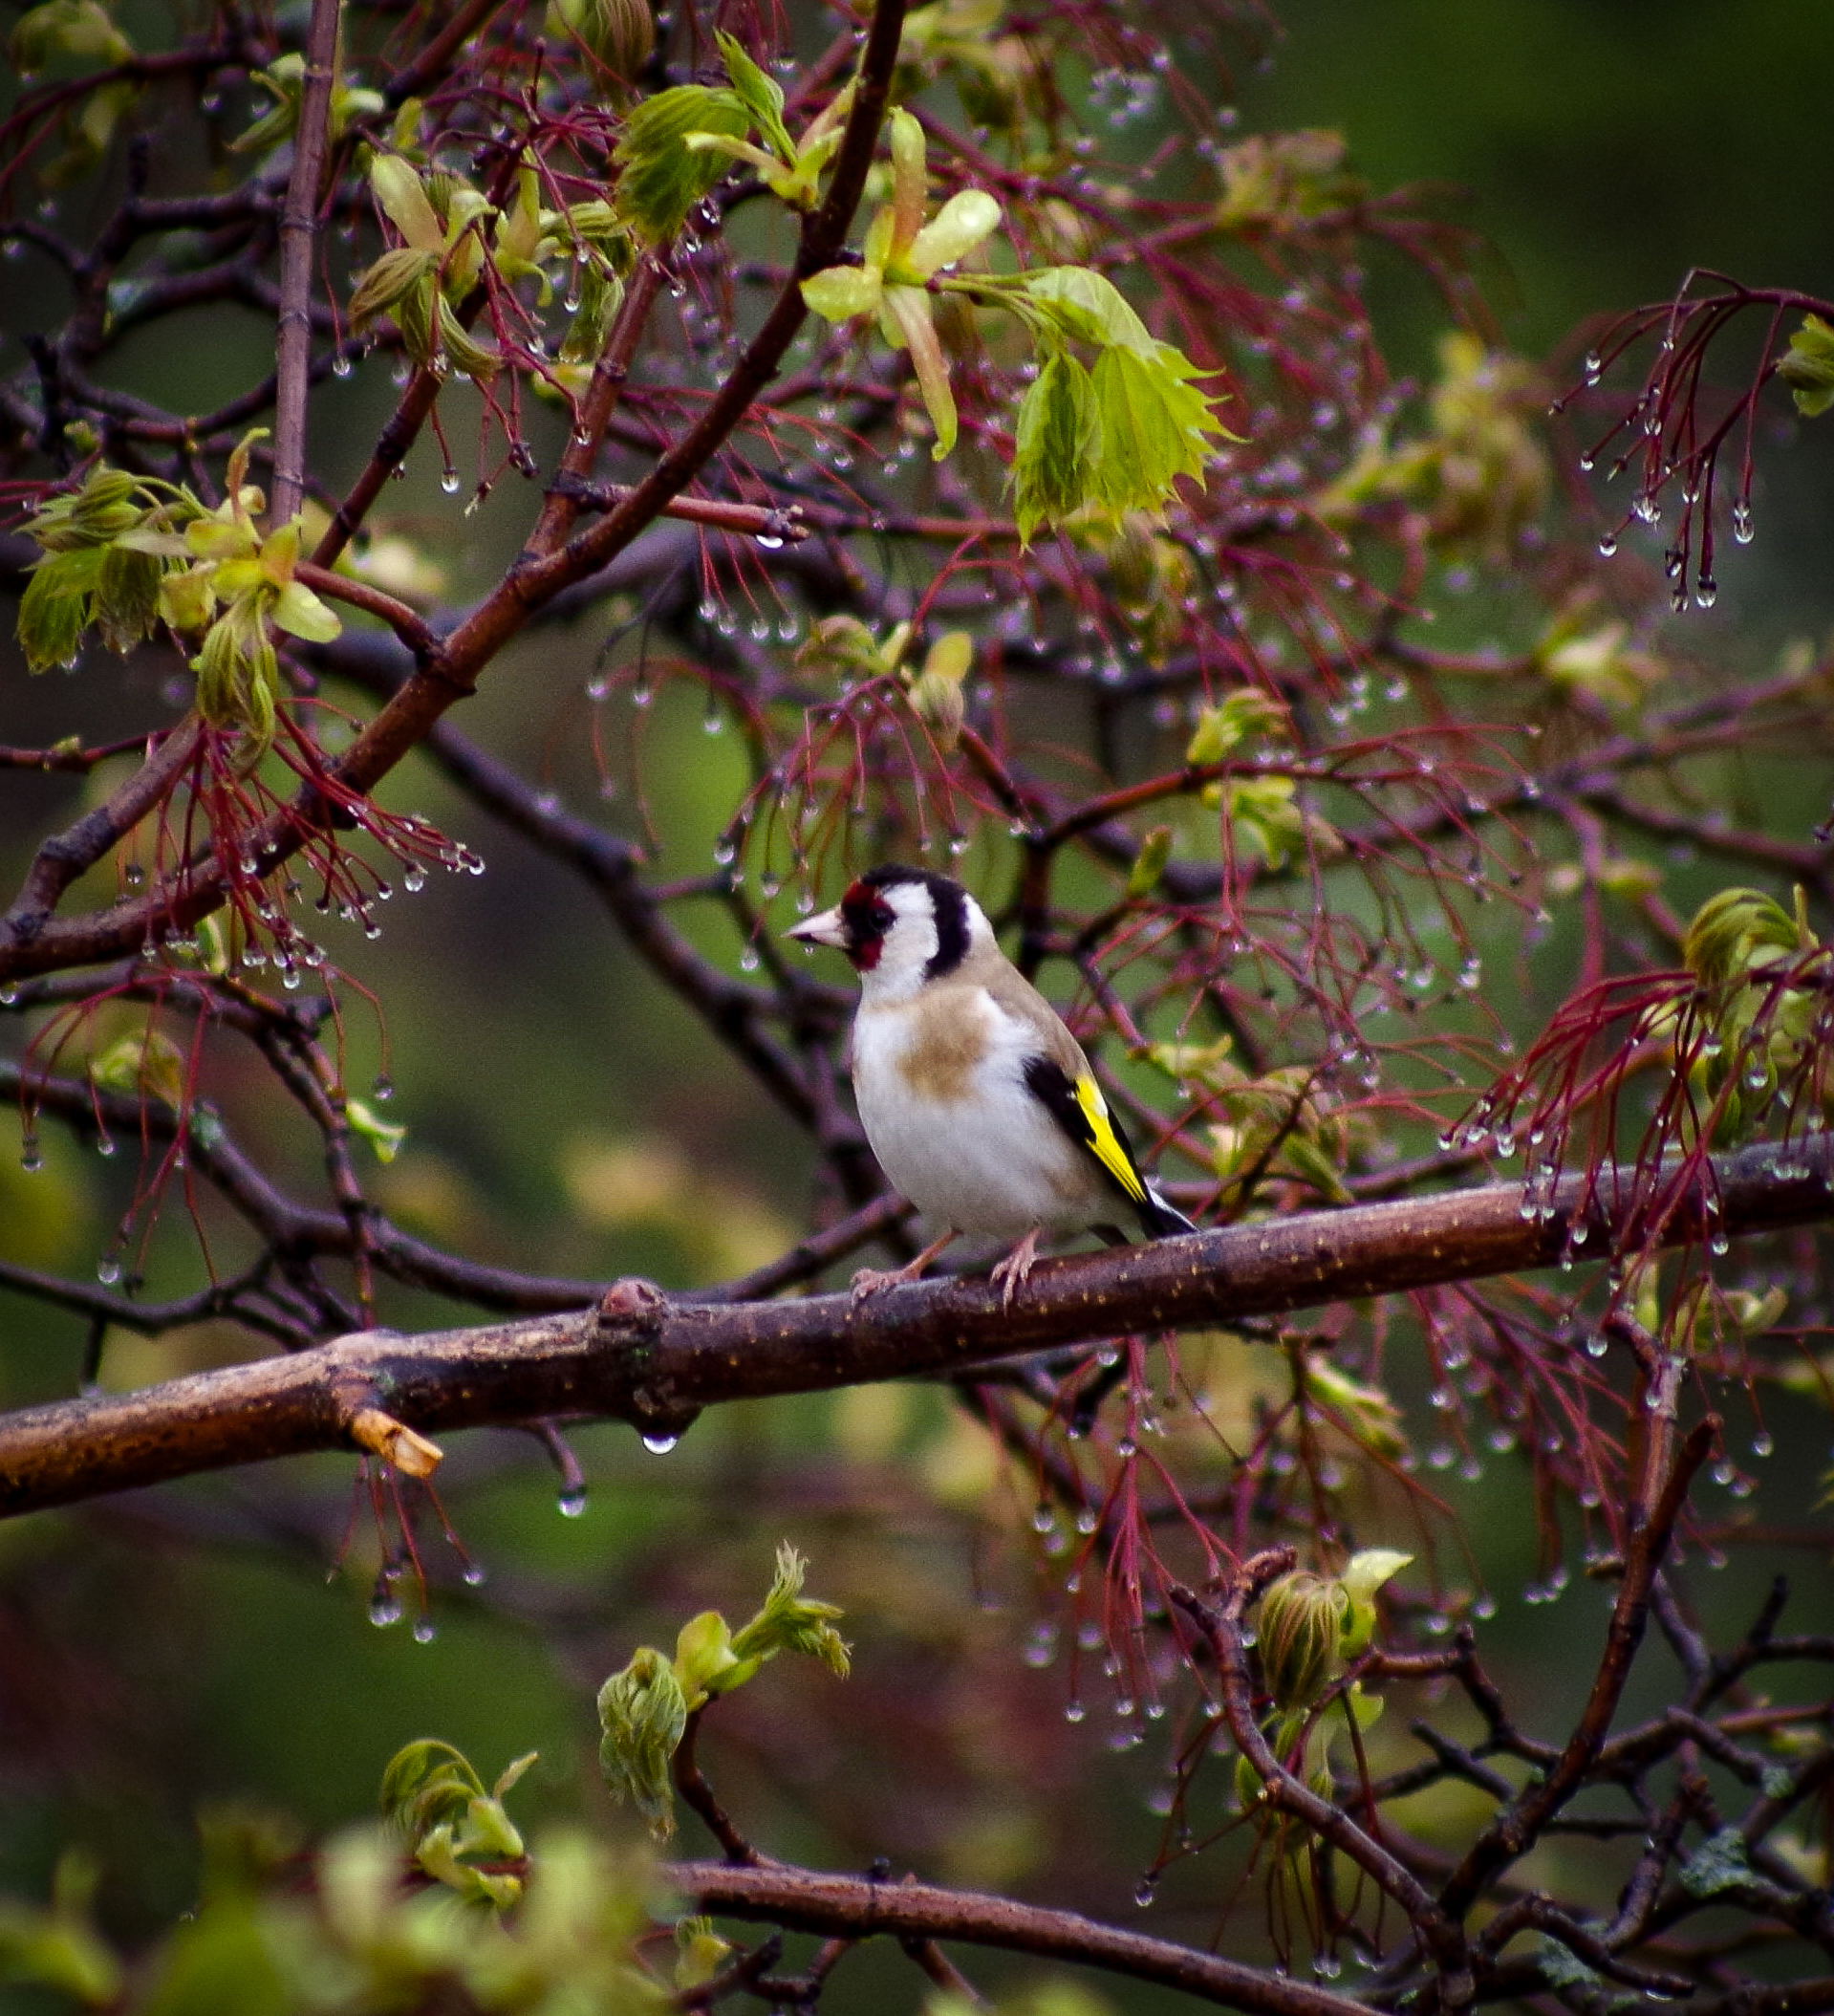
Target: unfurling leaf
{"points": [[660, 177], [398, 270], [601, 294], [1248, 711], [1088, 307], [1302, 1618], [1739, 930], [127, 596], [620, 34], [760, 94], [791, 1622], [433, 1796], [642, 1712], [1055, 445]]}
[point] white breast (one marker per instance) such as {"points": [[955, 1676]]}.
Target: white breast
{"points": [[973, 1150]]}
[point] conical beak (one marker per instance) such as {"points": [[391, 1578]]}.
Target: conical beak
{"points": [[827, 928]]}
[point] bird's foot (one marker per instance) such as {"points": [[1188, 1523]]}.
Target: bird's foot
{"points": [[869, 1280], [1015, 1271]]}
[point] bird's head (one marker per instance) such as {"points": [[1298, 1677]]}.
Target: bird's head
{"points": [[900, 927]]}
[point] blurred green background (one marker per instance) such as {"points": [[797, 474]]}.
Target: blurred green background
{"points": [[210, 1640]]}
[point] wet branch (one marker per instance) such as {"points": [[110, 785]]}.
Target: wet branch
{"points": [[862, 1906], [656, 1360]]}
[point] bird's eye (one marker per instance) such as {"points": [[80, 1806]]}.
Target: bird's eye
{"points": [[868, 917]]}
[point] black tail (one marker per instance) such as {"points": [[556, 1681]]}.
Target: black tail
{"points": [[1158, 1218]]}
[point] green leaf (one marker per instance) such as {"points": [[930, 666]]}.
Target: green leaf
{"points": [[1090, 308], [405, 201], [1056, 442], [839, 293], [385, 1137], [127, 596], [56, 606], [1807, 366], [660, 177], [414, 314], [1364, 1575], [601, 294], [1263, 810], [1149, 864], [80, 31], [145, 1063], [704, 1662], [907, 309], [1155, 426], [1247, 711], [58, 1948], [477, 361], [968, 217]]}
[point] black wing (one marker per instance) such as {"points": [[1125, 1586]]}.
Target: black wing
{"points": [[1079, 1109]]}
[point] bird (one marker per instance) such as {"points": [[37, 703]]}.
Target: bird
{"points": [[976, 1098]]}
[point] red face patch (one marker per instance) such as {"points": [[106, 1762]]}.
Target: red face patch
{"points": [[868, 917]]}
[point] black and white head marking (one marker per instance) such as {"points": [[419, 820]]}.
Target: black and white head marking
{"points": [[870, 909]]}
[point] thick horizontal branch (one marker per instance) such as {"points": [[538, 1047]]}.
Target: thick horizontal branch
{"points": [[861, 1907], [655, 1361]]}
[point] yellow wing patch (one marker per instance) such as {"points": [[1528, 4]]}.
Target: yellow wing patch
{"points": [[1104, 1143]]}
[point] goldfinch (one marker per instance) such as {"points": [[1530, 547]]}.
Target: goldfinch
{"points": [[978, 1103]]}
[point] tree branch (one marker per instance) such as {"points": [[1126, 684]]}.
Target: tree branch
{"points": [[656, 1361], [298, 231], [861, 1906]]}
